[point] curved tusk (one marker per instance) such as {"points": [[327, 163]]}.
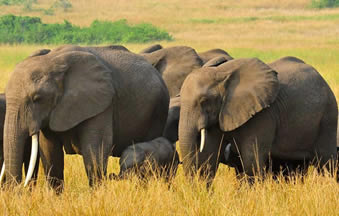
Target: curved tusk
{"points": [[2, 174], [227, 151], [32, 160], [202, 140]]}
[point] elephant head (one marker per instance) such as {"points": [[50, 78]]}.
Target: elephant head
{"points": [[218, 99], [41, 92]]}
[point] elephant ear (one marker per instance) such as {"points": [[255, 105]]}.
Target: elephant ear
{"points": [[151, 49], [157, 59], [215, 62], [40, 52], [87, 89], [249, 86]]}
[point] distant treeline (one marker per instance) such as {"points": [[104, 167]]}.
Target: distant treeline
{"points": [[30, 30]]}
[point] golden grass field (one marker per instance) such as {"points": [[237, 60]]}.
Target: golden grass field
{"points": [[268, 29]]}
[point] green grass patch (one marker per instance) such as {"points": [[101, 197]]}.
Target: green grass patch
{"points": [[31, 30], [12, 2], [270, 18], [324, 3]]}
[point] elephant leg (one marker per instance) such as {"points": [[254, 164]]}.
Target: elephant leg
{"points": [[96, 141], [52, 157], [28, 148], [253, 160], [326, 144], [253, 142]]}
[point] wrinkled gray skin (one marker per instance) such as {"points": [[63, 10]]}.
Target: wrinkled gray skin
{"points": [[99, 99], [176, 63], [156, 157], [27, 151], [284, 109], [161, 151]]}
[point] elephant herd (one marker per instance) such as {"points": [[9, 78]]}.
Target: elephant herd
{"points": [[108, 101]]}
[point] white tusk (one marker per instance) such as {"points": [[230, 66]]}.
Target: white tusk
{"points": [[32, 160], [2, 174], [202, 140], [227, 151]]}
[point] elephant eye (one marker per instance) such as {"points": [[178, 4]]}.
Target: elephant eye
{"points": [[36, 98], [203, 101]]}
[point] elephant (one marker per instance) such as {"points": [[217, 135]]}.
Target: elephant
{"points": [[157, 157], [27, 147], [176, 63], [97, 99], [161, 151], [283, 110]]}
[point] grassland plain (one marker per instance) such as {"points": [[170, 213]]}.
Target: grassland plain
{"points": [[267, 29]]}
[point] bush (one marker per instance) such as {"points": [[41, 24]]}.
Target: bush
{"points": [[18, 2], [325, 3], [30, 30]]}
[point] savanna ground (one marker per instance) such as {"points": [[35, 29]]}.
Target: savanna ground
{"points": [[267, 29]]}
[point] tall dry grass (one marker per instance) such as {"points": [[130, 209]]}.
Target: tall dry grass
{"points": [[317, 195], [245, 29]]}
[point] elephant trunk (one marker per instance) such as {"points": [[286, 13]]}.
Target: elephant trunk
{"points": [[14, 141], [188, 137]]}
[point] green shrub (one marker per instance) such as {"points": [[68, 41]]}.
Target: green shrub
{"points": [[18, 2], [30, 30], [325, 3], [11, 2]]}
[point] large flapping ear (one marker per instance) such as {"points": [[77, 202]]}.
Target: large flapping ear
{"points": [[215, 62], [87, 89], [249, 85]]}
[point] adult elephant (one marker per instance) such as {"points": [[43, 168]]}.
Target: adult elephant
{"points": [[100, 100], [284, 109]]}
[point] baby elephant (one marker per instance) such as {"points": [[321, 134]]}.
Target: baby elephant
{"points": [[157, 157]]}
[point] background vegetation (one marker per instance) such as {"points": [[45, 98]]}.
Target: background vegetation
{"points": [[325, 3], [30, 30], [268, 29]]}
